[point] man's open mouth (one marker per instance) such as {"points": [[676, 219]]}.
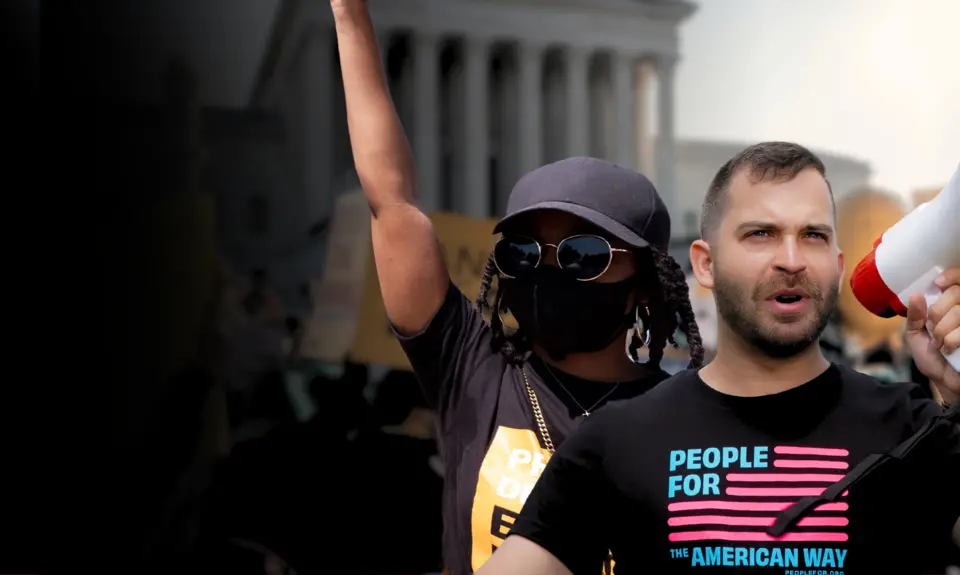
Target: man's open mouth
{"points": [[788, 298]]}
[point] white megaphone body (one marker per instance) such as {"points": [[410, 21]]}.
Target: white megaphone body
{"points": [[910, 255]]}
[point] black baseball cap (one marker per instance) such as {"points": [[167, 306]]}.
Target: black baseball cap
{"points": [[617, 200]]}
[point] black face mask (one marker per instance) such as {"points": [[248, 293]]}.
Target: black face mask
{"points": [[566, 316]]}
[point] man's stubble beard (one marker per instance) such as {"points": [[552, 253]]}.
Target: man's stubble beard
{"points": [[741, 314]]}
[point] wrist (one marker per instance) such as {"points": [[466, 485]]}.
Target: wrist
{"points": [[947, 398]]}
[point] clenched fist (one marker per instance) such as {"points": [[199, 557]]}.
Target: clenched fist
{"points": [[934, 332]]}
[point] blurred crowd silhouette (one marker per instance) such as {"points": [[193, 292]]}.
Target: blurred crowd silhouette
{"points": [[260, 463]]}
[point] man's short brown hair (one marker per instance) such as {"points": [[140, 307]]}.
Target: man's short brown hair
{"points": [[764, 161]]}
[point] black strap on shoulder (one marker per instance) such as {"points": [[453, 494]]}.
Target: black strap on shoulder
{"points": [[790, 516]]}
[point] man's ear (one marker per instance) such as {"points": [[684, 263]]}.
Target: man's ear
{"points": [[841, 264], [702, 260]]}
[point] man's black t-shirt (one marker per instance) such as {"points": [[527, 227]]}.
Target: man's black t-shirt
{"points": [[687, 480], [490, 443]]}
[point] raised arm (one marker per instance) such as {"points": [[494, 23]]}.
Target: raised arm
{"points": [[413, 275]]}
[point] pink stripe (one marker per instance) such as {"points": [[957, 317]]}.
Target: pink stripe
{"points": [[819, 451], [754, 536], [753, 521], [775, 491], [747, 506], [809, 464], [823, 522], [794, 477]]}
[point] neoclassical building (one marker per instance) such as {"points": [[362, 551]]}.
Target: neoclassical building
{"points": [[487, 89]]}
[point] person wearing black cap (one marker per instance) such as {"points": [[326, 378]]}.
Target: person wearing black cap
{"points": [[769, 460], [582, 266]]}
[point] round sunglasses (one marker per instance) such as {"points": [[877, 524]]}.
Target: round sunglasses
{"points": [[584, 257]]}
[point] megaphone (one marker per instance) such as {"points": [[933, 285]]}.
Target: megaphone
{"points": [[908, 257]]}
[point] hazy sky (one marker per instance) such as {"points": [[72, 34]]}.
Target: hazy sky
{"points": [[867, 78]]}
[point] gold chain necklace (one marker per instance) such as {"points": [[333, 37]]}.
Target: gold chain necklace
{"points": [[537, 412], [548, 442]]}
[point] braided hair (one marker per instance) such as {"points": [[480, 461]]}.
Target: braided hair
{"points": [[668, 308]]}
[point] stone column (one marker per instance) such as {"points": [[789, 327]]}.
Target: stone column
{"points": [[666, 162], [530, 91], [508, 145], [452, 128], [623, 71], [476, 192], [578, 102], [426, 118], [641, 81], [602, 111]]}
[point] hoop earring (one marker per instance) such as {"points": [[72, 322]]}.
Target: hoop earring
{"points": [[500, 306], [642, 331], [638, 333], [627, 344]]}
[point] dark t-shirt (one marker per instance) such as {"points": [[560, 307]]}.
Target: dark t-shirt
{"points": [[490, 443], [687, 480]]}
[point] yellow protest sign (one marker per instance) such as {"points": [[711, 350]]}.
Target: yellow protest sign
{"points": [[466, 244], [336, 296]]}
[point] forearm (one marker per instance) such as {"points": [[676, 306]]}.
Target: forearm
{"points": [[381, 153], [518, 555]]}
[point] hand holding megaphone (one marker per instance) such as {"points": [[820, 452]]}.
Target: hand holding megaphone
{"points": [[933, 334], [906, 261]]}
